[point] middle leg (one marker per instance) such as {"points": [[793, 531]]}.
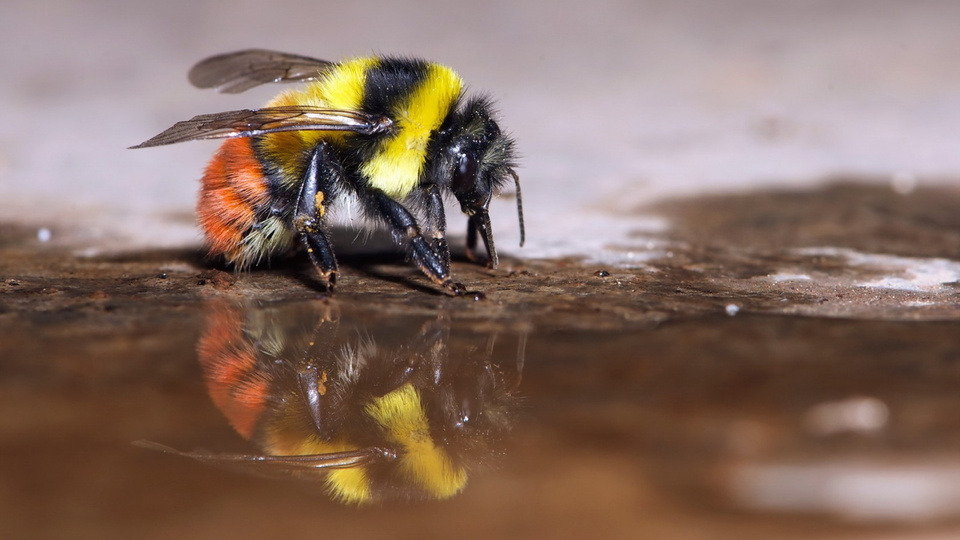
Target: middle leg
{"points": [[318, 181], [437, 224], [405, 226]]}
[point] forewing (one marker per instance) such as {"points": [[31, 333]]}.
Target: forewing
{"points": [[253, 122], [236, 72]]}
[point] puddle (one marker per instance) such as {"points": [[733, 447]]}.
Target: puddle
{"points": [[759, 386], [371, 407]]}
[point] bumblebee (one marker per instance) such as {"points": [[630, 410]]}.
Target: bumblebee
{"points": [[396, 133], [372, 417]]}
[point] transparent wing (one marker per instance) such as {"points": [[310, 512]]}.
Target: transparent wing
{"points": [[236, 72], [253, 122]]}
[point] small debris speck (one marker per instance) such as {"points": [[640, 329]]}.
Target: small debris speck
{"points": [[44, 234], [601, 273], [477, 295], [732, 309]]}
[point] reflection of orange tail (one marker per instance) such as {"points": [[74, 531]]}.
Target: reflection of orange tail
{"points": [[229, 363]]}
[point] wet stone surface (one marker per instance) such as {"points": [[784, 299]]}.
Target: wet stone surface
{"points": [[780, 363]]}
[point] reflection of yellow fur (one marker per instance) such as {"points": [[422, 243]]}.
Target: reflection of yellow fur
{"points": [[400, 413], [401, 416], [349, 485]]}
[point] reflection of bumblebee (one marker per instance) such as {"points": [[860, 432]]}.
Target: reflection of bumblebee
{"points": [[384, 129], [376, 421]]}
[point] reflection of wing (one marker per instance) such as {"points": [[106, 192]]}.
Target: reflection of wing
{"points": [[253, 122], [281, 466], [235, 72]]}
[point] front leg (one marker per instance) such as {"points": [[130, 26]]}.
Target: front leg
{"points": [[404, 224], [437, 224], [472, 241], [318, 180]]}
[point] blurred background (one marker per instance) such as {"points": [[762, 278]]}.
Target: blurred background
{"points": [[615, 104], [741, 266]]}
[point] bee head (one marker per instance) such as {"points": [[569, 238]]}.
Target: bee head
{"points": [[475, 159]]}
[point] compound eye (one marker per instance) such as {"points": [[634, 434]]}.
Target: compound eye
{"points": [[466, 173]]}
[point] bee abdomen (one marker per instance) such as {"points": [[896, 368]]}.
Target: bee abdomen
{"points": [[233, 206]]}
